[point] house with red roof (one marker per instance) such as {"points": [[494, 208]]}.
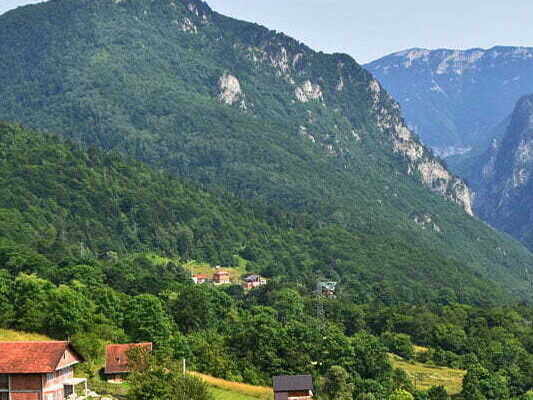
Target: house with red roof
{"points": [[38, 370], [118, 364], [200, 278]]}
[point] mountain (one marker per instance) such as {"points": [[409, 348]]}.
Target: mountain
{"points": [[454, 99], [237, 107], [502, 176], [68, 203]]}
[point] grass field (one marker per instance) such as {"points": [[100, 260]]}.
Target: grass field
{"points": [[8, 335], [223, 389], [425, 376], [195, 267], [220, 394]]}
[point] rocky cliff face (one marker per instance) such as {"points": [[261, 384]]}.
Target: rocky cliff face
{"points": [[454, 99], [419, 160], [504, 189], [292, 65]]}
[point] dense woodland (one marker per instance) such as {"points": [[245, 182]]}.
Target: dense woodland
{"points": [[59, 277]]}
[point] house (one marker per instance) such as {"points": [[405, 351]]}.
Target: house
{"points": [[294, 387], [200, 278], [38, 370], [221, 278], [253, 281], [117, 362]]}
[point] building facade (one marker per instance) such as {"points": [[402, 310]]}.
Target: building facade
{"points": [[38, 370], [200, 278], [221, 278], [253, 281]]}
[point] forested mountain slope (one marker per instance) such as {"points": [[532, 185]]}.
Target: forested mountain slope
{"points": [[454, 98], [236, 106], [65, 202]]}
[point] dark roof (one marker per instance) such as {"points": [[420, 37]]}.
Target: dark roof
{"points": [[32, 357], [289, 383], [117, 361], [252, 278]]}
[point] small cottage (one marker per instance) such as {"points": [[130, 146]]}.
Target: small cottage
{"points": [[38, 370], [200, 278], [221, 278], [118, 365], [293, 387], [253, 281]]}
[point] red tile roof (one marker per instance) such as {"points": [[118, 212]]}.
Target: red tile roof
{"points": [[201, 276], [32, 357], [117, 357]]}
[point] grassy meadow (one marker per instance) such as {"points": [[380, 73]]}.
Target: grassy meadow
{"points": [[425, 376]]}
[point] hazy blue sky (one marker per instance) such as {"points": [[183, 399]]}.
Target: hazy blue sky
{"points": [[368, 29]]}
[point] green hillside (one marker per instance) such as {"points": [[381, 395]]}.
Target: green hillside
{"points": [[63, 201], [71, 267], [241, 108]]}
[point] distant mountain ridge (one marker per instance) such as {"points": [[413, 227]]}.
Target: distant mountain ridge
{"points": [[454, 99], [236, 106]]}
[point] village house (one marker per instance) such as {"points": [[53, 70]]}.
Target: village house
{"points": [[38, 370], [295, 387], [200, 278], [253, 281], [221, 278], [117, 364]]}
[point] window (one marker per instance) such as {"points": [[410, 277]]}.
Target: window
{"points": [[4, 382], [4, 396], [50, 377]]}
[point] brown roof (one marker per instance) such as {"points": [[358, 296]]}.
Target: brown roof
{"points": [[32, 357], [117, 357], [290, 383]]}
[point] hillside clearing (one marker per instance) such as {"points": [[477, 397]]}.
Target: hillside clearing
{"points": [[195, 267], [425, 376], [234, 390], [220, 394], [8, 335]]}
